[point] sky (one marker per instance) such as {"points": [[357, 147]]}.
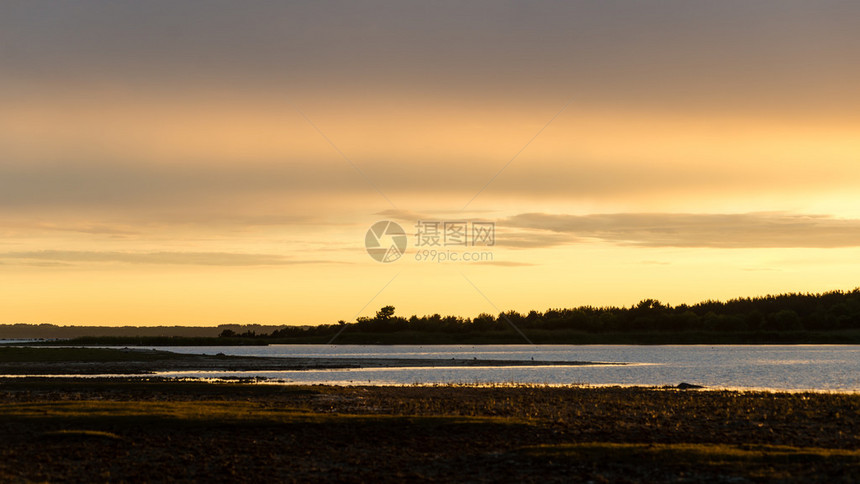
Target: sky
{"points": [[199, 163]]}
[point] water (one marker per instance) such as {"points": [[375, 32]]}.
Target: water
{"points": [[785, 367]]}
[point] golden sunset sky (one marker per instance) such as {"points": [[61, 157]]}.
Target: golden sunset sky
{"points": [[198, 163]]}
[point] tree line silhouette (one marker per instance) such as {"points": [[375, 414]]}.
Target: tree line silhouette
{"points": [[830, 311]]}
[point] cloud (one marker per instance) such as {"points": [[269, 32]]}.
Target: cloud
{"points": [[37, 263], [439, 215], [747, 230], [91, 229], [505, 263], [530, 239], [670, 53], [296, 191], [57, 257], [403, 215], [103, 183]]}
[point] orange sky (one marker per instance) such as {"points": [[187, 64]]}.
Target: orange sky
{"points": [[166, 164]]}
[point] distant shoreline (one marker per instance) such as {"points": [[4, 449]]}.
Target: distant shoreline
{"points": [[537, 337]]}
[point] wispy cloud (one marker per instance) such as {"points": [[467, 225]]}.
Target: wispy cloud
{"points": [[102, 183], [84, 228], [505, 263], [746, 230], [56, 257], [403, 215], [437, 215], [530, 239]]}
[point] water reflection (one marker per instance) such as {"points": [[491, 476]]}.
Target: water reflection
{"points": [[787, 367]]}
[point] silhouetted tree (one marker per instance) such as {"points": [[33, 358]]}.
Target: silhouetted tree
{"points": [[385, 313]]}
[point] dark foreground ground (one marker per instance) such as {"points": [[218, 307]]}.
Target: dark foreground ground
{"points": [[152, 430]]}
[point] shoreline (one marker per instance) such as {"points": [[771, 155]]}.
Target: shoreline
{"points": [[73, 361], [273, 382]]}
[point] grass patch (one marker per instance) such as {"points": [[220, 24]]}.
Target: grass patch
{"points": [[706, 461], [213, 412], [80, 434], [700, 454], [139, 387]]}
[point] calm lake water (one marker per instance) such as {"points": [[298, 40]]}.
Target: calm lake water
{"points": [[789, 367]]}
